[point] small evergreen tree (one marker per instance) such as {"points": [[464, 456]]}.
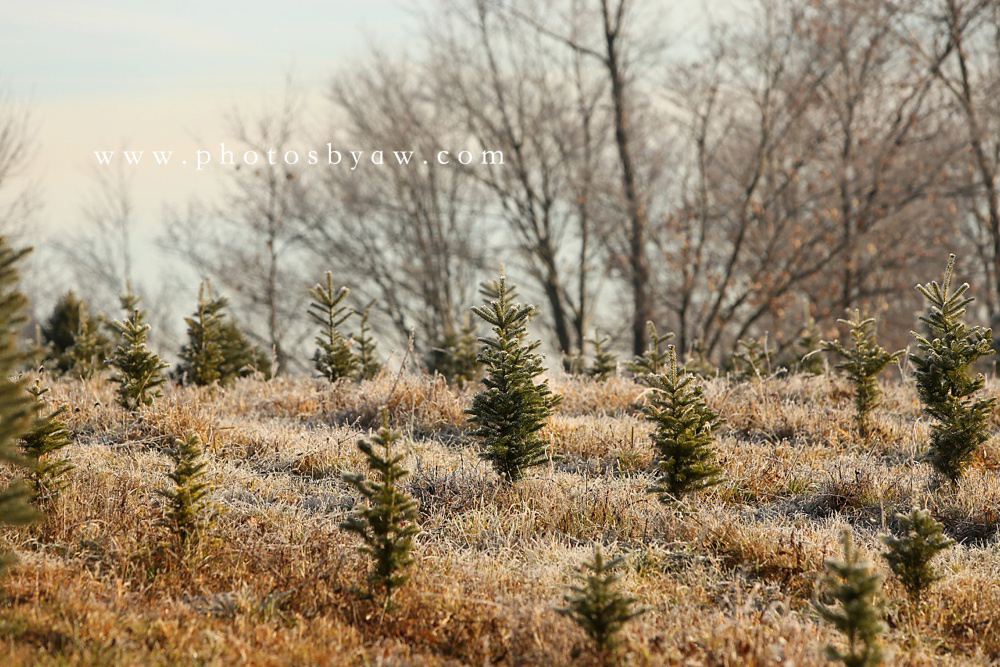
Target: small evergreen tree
{"points": [[41, 445], [333, 358], [217, 350], [684, 433], [138, 369], [604, 363], [751, 359], [388, 522], [598, 607], [16, 405], [944, 383], [61, 336], [653, 359], [455, 355], [510, 411], [862, 363], [186, 500], [807, 358], [857, 611], [910, 555], [368, 363]]}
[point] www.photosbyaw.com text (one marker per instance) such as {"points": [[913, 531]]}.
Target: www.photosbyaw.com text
{"points": [[328, 156]]}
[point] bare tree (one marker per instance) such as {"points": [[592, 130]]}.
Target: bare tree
{"points": [[251, 245]]}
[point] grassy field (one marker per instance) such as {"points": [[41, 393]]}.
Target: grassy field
{"points": [[729, 575]]}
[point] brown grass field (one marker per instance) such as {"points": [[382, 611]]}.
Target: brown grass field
{"points": [[729, 576]]}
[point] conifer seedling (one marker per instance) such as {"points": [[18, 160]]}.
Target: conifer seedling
{"points": [[455, 356], [138, 369], [751, 359], [508, 413], [187, 508], [684, 433], [333, 358], [604, 363], [201, 357], [388, 522], [909, 556], [863, 363], [944, 383], [368, 363], [17, 408], [653, 359], [807, 347], [42, 445], [857, 609], [87, 350], [598, 607]]}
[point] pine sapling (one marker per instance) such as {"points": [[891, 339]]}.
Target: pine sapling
{"points": [[653, 359], [752, 358], [605, 363], [87, 352], [510, 411], [909, 556], [684, 433], [863, 363], [138, 369], [807, 348], [368, 363], [598, 607], [455, 356], [42, 445], [857, 609], [388, 522], [187, 507], [16, 405], [202, 357], [944, 383], [333, 358]]}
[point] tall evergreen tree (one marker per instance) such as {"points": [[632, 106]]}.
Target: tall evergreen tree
{"points": [[857, 607], [16, 405], [138, 368], [863, 363], [510, 411], [333, 358], [598, 607], [388, 522], [684, 432], [41, 445], [944, 382]]}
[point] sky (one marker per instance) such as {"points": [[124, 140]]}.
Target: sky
{"points": [[99, 75]]}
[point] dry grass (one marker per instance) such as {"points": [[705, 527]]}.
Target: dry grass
{"points": [[729, 576]]}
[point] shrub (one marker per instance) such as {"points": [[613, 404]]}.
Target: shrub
{"points": [[138, 368], [910, 555], [41, 445], [16, 405], [186, 505], [653, 359], [862, 363], [510, 411], [684, 433], [944, 383], [388, 523], [333, 357], [598, 607], [857, 607]]}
